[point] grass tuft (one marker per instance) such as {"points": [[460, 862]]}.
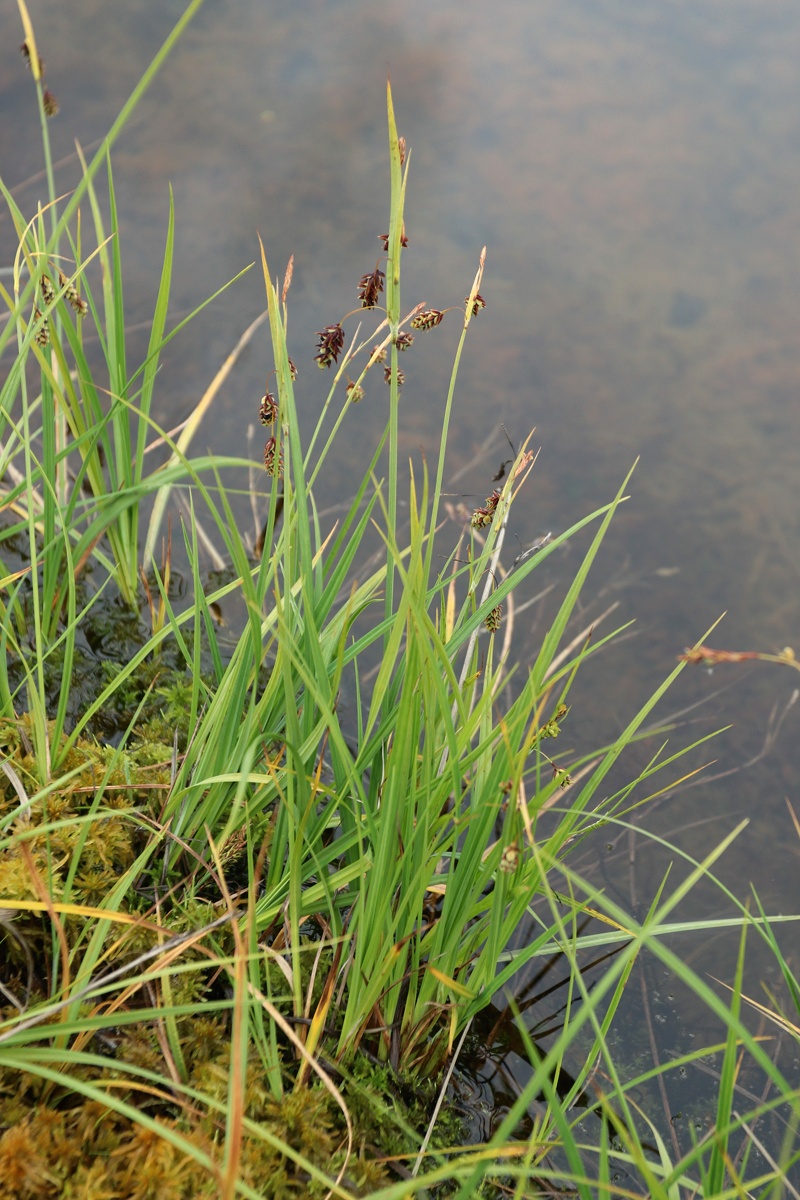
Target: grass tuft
{"points": [[246, 931]]}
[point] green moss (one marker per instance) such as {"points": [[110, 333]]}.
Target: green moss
{"points": [[57, 1144], [76, 843]]}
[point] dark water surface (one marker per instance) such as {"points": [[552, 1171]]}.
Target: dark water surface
{"points": [[634, 171]]}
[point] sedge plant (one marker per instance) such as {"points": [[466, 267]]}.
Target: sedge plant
{"points": [[233, 921]]}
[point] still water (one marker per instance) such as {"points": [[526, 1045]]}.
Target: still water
{"points": [[634, 173]]}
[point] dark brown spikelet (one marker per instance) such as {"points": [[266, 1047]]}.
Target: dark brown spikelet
{"points": [[48, 291], [26, 54], [401, 144], [80, 306], [428, 319], [387, 375], [370, 288], [331, 341], [292, 370], [273, 464], [355, 392], [493, 619], [484, 516], [43, 335], [384, 237], [268, 412], [379, 354], [49, 103], [404, 340], [477, 304]]}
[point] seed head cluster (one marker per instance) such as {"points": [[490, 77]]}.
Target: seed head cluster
{"points": [[370, 288], [43, 332], [429, 319], [71, 292], [483, 517], [330, 345], [493, 619], [26, 54], [384, 238], [268, 412], [49, 102], [273, 462]]}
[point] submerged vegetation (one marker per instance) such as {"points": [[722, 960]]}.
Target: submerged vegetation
{"points": [[246, 932]]}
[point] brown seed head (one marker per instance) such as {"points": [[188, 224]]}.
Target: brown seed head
{"points": [[428, 319], [268, 412], [48, 291], [50, 103], [477, 304], [484, 516], [355, 392], [387, 375], [292, 370], [401, 142], [331, 342], [71, 292], [273, 463], [384, 237], [370, 288], [379, 354], [404, 340], [493, 619], [43, 334], [26, 54]]}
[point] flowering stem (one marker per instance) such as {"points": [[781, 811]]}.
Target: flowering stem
{"points": [[398, 188]]}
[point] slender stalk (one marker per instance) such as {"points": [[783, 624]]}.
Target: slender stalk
{"points": [[397, 197]]}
